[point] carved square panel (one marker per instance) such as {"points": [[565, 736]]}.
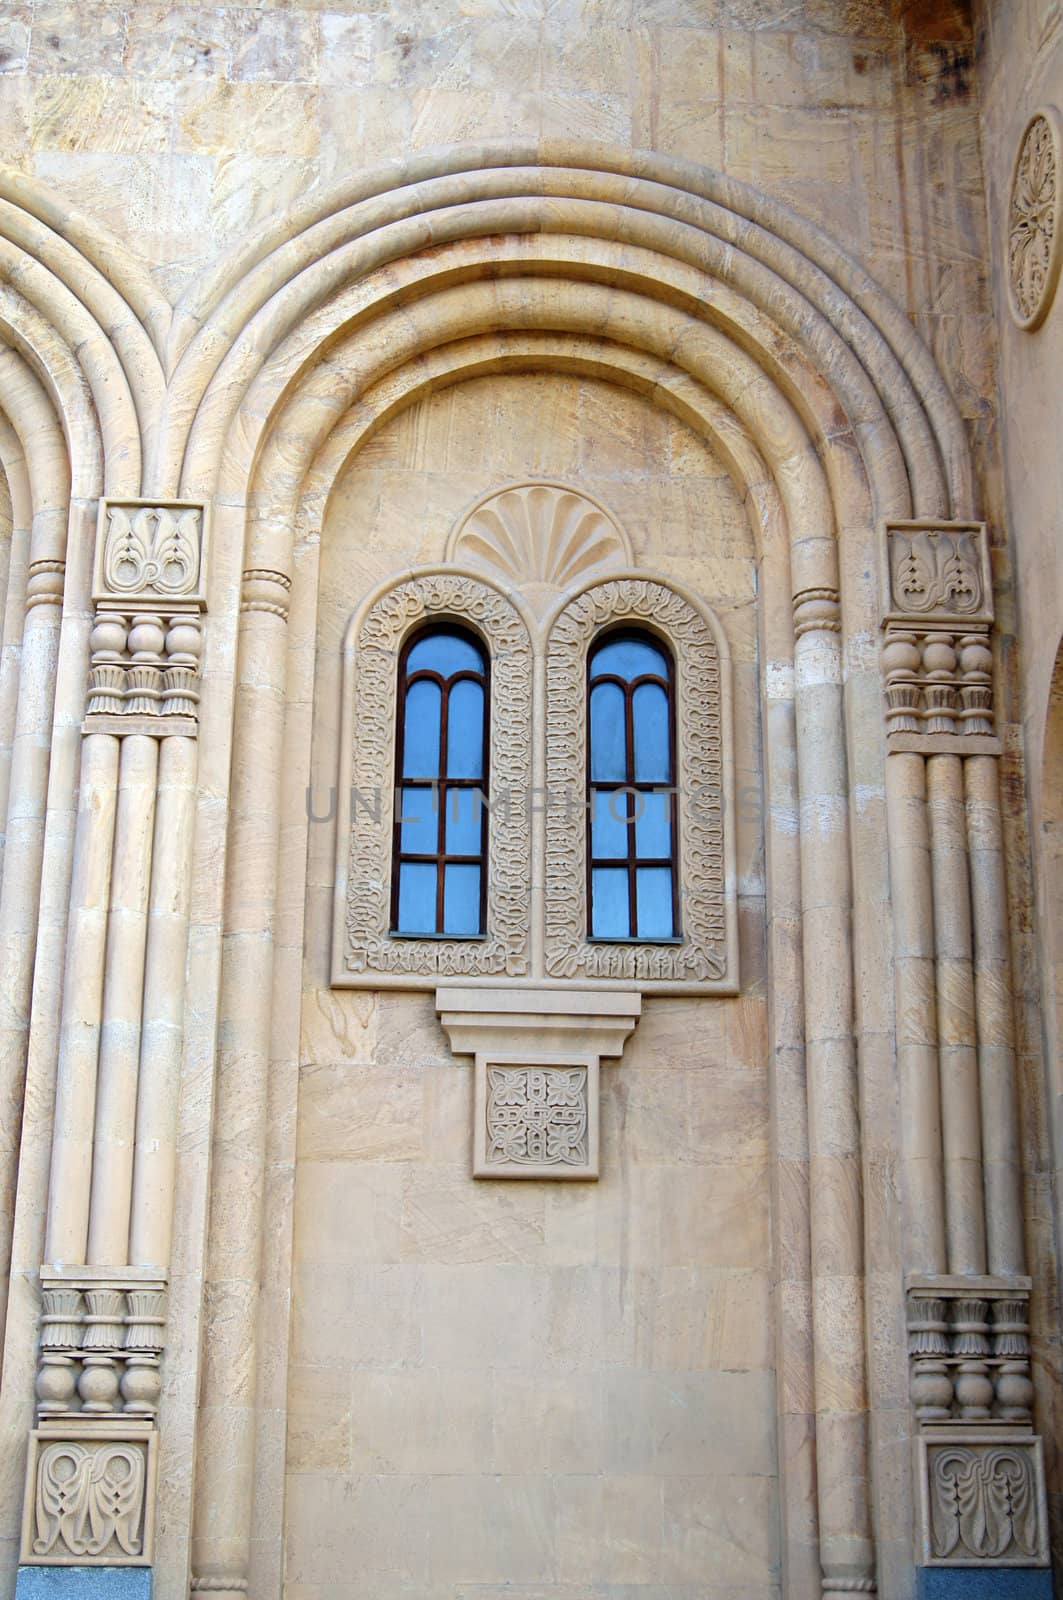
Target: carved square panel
{"points": [[982, 1498], [150, 554], [535, 1119], [90, 1497], [937, 572]]}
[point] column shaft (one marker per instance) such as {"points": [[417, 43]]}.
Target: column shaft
{"points": [[912, 898], [79, 1028], [1001, 1151], [225, 1474], [847, 1554], [116, 1090], [957, 1034], [162, 1033]]}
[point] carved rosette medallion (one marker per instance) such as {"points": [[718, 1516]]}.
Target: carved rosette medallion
{"points": [[1034, 220], [367, 945], [706, 953], [536, 1116]]}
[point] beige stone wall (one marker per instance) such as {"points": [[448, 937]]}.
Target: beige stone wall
{"points": [[547, 1384], [1020, 60]]}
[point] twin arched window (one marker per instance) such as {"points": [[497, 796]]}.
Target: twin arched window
{"points": [[439, 868]]}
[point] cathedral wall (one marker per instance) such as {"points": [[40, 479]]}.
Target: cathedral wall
{"points": [[560, 1388]]}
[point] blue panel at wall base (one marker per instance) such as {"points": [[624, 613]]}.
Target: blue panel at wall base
{"points": [[980, 1583], [83, 1583]]}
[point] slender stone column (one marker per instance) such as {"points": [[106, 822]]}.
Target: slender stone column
{"points": [[915, 987], [127, 921], [1001, 1153], [847, 1554], [154, 1167], [957, 1038], [82, 1014], [225, 1475]]}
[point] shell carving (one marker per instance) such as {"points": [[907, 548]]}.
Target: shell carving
{"points": [[540, 536]]}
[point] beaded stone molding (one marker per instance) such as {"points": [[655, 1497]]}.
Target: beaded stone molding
{"points": [[147, 638], [1034, 219]]}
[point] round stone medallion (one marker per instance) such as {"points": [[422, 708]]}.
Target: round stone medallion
{"points": [[1034, 222]]}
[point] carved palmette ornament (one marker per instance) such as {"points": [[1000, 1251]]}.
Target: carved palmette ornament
{"points": [[1034, 216], [707, 951], [937, 571], [89, 1499], [368, 946], [150, 551], [986, 1503]]}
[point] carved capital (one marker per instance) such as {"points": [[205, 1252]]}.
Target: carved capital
{"points": [[101, 1344], [147, 633], [936, 658], [969, 1348]]}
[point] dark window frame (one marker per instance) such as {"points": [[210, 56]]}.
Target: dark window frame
{"points": [[598, 792], [441, 785]]}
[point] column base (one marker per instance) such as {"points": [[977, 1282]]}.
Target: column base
{"points": [[984, 1583], [83, 1583]]}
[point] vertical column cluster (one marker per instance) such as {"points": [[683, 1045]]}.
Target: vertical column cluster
{"points": [[978, 1458], [90, 1476]]}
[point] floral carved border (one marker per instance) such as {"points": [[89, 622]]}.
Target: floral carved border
{"points": [[706, 953], [368, 944]]}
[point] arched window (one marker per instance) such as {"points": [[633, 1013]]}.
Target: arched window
{"points": [[438, 880], [631, 816]]}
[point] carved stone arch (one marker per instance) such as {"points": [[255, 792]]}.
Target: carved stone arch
{"points": [[707, 958], [364, 953]]}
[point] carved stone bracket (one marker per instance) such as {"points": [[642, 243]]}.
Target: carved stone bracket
{"points": [[90, 1478], [937, 660], [537, 1054], [979, 1464], [147, 634]]}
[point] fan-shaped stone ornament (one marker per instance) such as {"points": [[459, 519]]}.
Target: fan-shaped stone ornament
{"points": [[540, 538], [1034, 221]]}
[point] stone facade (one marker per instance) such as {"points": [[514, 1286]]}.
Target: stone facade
{"points": [[733, 322]]}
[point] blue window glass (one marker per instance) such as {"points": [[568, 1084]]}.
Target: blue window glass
{"points": [[631, 783], [441, 813]]}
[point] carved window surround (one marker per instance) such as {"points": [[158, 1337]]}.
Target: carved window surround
{"points": [[936, 658], [148, 588], [979, 1464], [90, 1476], [537, 1054]]}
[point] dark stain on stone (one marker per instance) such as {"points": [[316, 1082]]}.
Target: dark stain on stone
{"points": [[53, 40], [860, 65]]}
